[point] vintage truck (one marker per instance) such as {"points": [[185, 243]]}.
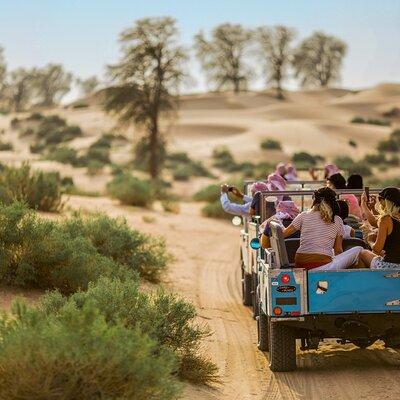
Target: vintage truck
{"points": [[248, 258], [352, 305]]}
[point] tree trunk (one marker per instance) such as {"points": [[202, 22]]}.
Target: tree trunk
{"points": [[236, 83], [154, 162]]}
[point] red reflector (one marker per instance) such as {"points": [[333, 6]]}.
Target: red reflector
{"points": [[295, 313], [277, 310], [285, 278]]}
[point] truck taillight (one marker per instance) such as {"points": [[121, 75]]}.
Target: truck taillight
{"points": [[285, 278], [277, 310]]}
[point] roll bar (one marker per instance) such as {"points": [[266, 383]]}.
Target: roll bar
{"points": [[303, 193]]}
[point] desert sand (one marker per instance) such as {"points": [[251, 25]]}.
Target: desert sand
{"points": [[206, 270]]}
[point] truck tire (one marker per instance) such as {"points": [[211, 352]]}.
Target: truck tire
{"points": [[262, 331], [282, 348], [246, 289], [254, 279]]}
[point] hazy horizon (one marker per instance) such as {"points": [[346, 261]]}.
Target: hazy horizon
{"points": [[83, 36]]}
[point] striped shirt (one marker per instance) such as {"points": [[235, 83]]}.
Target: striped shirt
{"points": [[316, 235]]}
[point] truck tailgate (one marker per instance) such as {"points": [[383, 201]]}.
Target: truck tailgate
{"points": [[349, 291]]}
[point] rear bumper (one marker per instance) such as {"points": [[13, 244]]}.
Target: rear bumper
{"points": [[348, 326]]}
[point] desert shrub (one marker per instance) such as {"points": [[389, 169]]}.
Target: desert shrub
{"points": [[181, 173], [36, 117], [394, 112], [209, 193], [374, 159], [214, 210], [395, 135], [38, 252], [304, 158], [171, 206], [344, 162], [76, 354], [131, 190], [223, 159], [100, 150], [394, 160], [167, 319], [65, 155], [270, 144], [37, 148], [371, 121], [179, 157], [352, 143], [37, 189], [114, 239], [14, 123], [361, 168], [6, 146], [358, 120], [390, 145], [94, 167]]}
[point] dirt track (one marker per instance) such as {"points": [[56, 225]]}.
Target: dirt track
{"points": [[205, 271]]}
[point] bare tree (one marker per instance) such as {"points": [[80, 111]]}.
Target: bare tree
{"points": [[318, 59], [147, 80], [19, 90], [276, 53], [52, 83], [89, 85], [222, 57]]}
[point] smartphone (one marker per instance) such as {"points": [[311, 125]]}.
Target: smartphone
{"points": [[230, 189], [366, 191]]}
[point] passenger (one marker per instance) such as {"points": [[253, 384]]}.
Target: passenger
{"points": [[329, 170], [337, 181], [281, 169], [276, 183], [291, 173], [349, 232], [355, 181], [385, 250], [286, 212], [321, 235], [235, 208]]}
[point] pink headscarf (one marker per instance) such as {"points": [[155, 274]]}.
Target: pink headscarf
{"points": [[259, 187], [288, 209], [330, 169], [276, 182], [281, 169], [291, 174]]}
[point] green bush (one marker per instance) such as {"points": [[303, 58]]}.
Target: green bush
{"points": [[76, 354], [36, 117], [223, 159], [352, 143], [390, 145], [210, 193], [183, 168], [394, 112], [395, 135], [344, 162], [114, 239], [361, 168], [304, 158], [214, 210], [64, 155], [270, 144], [181, 173], [5, 146], [167, 319], [38, 252], [371, 121], [131, 190], [375, 159], [37, 189]]}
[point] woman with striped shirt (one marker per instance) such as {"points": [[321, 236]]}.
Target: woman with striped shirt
{"points": [[321, 235]]}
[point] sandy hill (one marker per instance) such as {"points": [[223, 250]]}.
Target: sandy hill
{"points": [[317, 121]]}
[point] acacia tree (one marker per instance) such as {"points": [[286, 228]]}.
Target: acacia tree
{"points": [[274, 48], [89, 85], [19, 89], [222, 57], [3, 71], [318, 59], [51, 84], [147, 80]]}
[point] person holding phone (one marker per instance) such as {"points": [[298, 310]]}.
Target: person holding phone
{"points": [[240, 209], [385, 248]]}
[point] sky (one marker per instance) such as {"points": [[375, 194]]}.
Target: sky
{"points": [[83, 34]]}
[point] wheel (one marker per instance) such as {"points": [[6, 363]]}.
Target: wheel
{"points": [[282, 347], [254, 295], [246, 289], [262, 331]]}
